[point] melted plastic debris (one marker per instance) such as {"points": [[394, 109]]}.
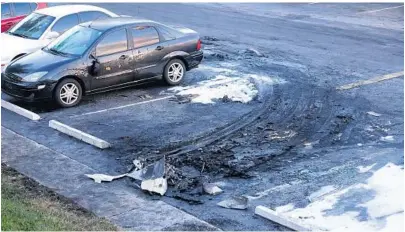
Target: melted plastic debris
{"points": [[98, 178], [236, 202], [158, 185], [211, 189]]}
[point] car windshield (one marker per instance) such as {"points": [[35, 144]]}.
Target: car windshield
{"points": [[32, 26], [74, 42]]}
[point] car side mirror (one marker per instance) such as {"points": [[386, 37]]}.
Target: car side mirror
{"points": [[52, 35], [95, 65]]}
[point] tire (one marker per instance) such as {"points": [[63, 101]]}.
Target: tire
{"points": [[68, 84], [171, 77]]}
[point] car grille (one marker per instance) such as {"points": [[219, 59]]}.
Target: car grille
{"points": [[13, 77], [11, 89]]}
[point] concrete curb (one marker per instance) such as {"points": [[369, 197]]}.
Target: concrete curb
{"points": [[90, 139], [21, 111], [275, 217]]}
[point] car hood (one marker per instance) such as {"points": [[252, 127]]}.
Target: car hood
{"points": [[13, 45], [39, 61]]}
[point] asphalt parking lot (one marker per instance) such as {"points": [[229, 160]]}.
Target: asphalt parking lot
{"points": [[271, 72]]}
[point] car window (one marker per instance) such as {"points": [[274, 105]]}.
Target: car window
{"points": [[65, 23], [22, 8], [75, 41], [112, 43], [91, 16], [33, 6], [144, 36], [5, 11], [166, 34], [32, 26]]}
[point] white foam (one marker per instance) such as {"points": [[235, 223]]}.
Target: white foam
{"points": [[385, 209], [226, 83], [363, 169], [238, 90], [321, 192], [284, 208], [388, 184], [389, 138]]}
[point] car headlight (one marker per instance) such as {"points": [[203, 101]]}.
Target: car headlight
{"points": [[34, 76]]}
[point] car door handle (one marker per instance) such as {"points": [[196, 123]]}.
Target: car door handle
{"points": [[123, 57], [159, 48]]}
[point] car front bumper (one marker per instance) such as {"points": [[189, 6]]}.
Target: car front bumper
{"points": [[27, 91]]}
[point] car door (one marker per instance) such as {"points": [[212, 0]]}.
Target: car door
{"points": [[115, 60], [7, 15], [147, 51]]}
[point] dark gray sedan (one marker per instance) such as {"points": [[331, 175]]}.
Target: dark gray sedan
{"points": [[100, 56]]}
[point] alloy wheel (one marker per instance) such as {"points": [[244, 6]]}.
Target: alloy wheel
{"points": [[69, 93], [176, 72]]}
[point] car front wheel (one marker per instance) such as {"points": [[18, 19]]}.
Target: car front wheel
{"points": [[174, 72], [68, 93]]}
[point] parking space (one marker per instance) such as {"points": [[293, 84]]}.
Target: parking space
{"points": [[281, 65], [94, 102], [131, 120], [156, 124]]}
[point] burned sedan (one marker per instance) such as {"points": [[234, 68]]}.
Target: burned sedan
{"points": [[103, 55]]}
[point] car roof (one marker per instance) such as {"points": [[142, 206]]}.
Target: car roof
{"points": [[62, 10], [109, 23]]}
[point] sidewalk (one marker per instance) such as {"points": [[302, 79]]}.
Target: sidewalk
{"points": [[120, 204]]}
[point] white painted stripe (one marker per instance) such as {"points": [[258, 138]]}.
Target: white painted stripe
{"points": [[373, 11], [90, 139], [371, 81], [18, 110], [121, 107], [312, 3], [275, 217]]}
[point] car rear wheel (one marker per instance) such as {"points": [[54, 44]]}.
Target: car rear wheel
{"points": [[68, 93], [174, 72]]}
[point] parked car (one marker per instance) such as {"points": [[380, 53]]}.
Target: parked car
{"points": [[42, 26], [12, 13], [103, 55]]}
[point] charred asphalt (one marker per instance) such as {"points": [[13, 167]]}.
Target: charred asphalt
{"points": [[297, 135]]}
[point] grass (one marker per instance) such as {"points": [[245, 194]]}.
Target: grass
{"points": [[27, 205]]}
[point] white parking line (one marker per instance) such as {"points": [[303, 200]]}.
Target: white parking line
{"points": [[18, 110], [80, 135], [371, 81], [121, 107], [373, 11]]}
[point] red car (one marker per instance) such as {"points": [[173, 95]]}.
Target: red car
{"points": [[12, 13]]}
